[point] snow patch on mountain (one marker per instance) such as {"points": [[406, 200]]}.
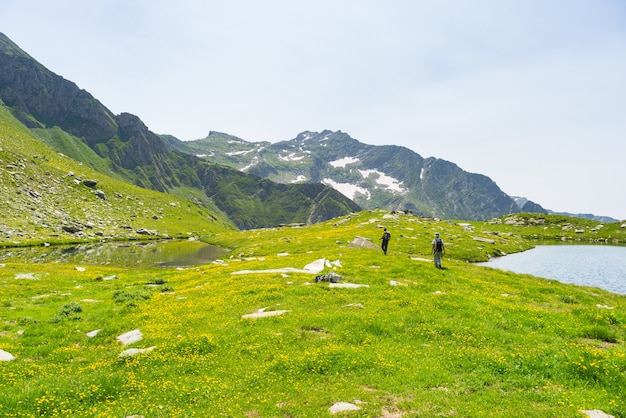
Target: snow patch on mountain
{"points": [[291, 157], [342, 162], [253, 162], [347, 189], [384, 180], [240, 152], [299, 179]]}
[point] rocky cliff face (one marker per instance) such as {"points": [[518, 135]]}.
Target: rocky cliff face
{"points": [[40, 98], [43, 100]]}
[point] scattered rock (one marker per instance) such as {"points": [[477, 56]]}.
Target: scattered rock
{"points": [[328, 277], [394, 283], [487, 240], [134, 351], [261, 313], [6, 356], [100, 194], [343, 406], [354, 305], [596, 413], [26, 276], [360, 242], [315, 267], [93, 333], [145, 231], [130, 337], [604, 306], [347, 285], [71, 229], [80, 269], [90, 183]]}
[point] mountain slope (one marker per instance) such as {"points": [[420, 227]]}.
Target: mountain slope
{"points": [[74, 122], [373, 176], [50, 197]]}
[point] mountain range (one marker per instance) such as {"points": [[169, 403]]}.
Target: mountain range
{"points": [[311, 178]]}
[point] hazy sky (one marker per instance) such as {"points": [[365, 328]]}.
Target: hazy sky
{"points": [[531, 93]]}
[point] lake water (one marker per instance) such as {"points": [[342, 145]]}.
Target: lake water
{"points": [[602, 266], [165, 253]]}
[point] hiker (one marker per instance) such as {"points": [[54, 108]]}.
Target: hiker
{"points": [[385, 238], [438, 250]]}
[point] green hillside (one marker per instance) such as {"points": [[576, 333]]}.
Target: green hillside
{"points": [[412, 341], [46, 198]]}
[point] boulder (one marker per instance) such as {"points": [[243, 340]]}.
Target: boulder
{"points": [[342, 407], [130, 337], [360, 242], [90, 183], [71, 229], [328, 277], [6, 356]]}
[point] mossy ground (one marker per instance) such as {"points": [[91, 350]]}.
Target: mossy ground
{"points": [[462, 341]]}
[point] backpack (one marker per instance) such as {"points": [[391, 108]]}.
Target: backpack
{"points": [[438, 245], [387, 236]]}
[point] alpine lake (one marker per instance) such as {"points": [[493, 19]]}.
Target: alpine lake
{"points": [[602, 266], [159, 253]]}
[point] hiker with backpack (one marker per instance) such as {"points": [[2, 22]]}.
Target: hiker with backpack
{"points": [[385, 240], [438, 250]]}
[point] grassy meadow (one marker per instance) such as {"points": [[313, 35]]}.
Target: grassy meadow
{"points": [[463, 341]]}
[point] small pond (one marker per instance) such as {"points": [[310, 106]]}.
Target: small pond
{"points": [[164, 253]]}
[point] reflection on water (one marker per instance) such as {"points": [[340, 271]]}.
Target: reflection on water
{"points": [[167, 253], [602, 266]]}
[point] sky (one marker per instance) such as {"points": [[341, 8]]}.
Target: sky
{"points": [[531, 93]]}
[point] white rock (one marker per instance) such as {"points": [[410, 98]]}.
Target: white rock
{"points": [[5, 356], [394, 283], [343, 406], [93, 333], [26, 276], [134, 351], [260, 313], [316, 266], [80, 269], [347, 285], [596, 413], [130, 337]]}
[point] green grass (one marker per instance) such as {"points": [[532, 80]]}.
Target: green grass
{"points": [[42, 190], [464, 341]]}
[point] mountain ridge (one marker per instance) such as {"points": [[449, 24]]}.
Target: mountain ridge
{"points": [[72, 120], [373, 176]]}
